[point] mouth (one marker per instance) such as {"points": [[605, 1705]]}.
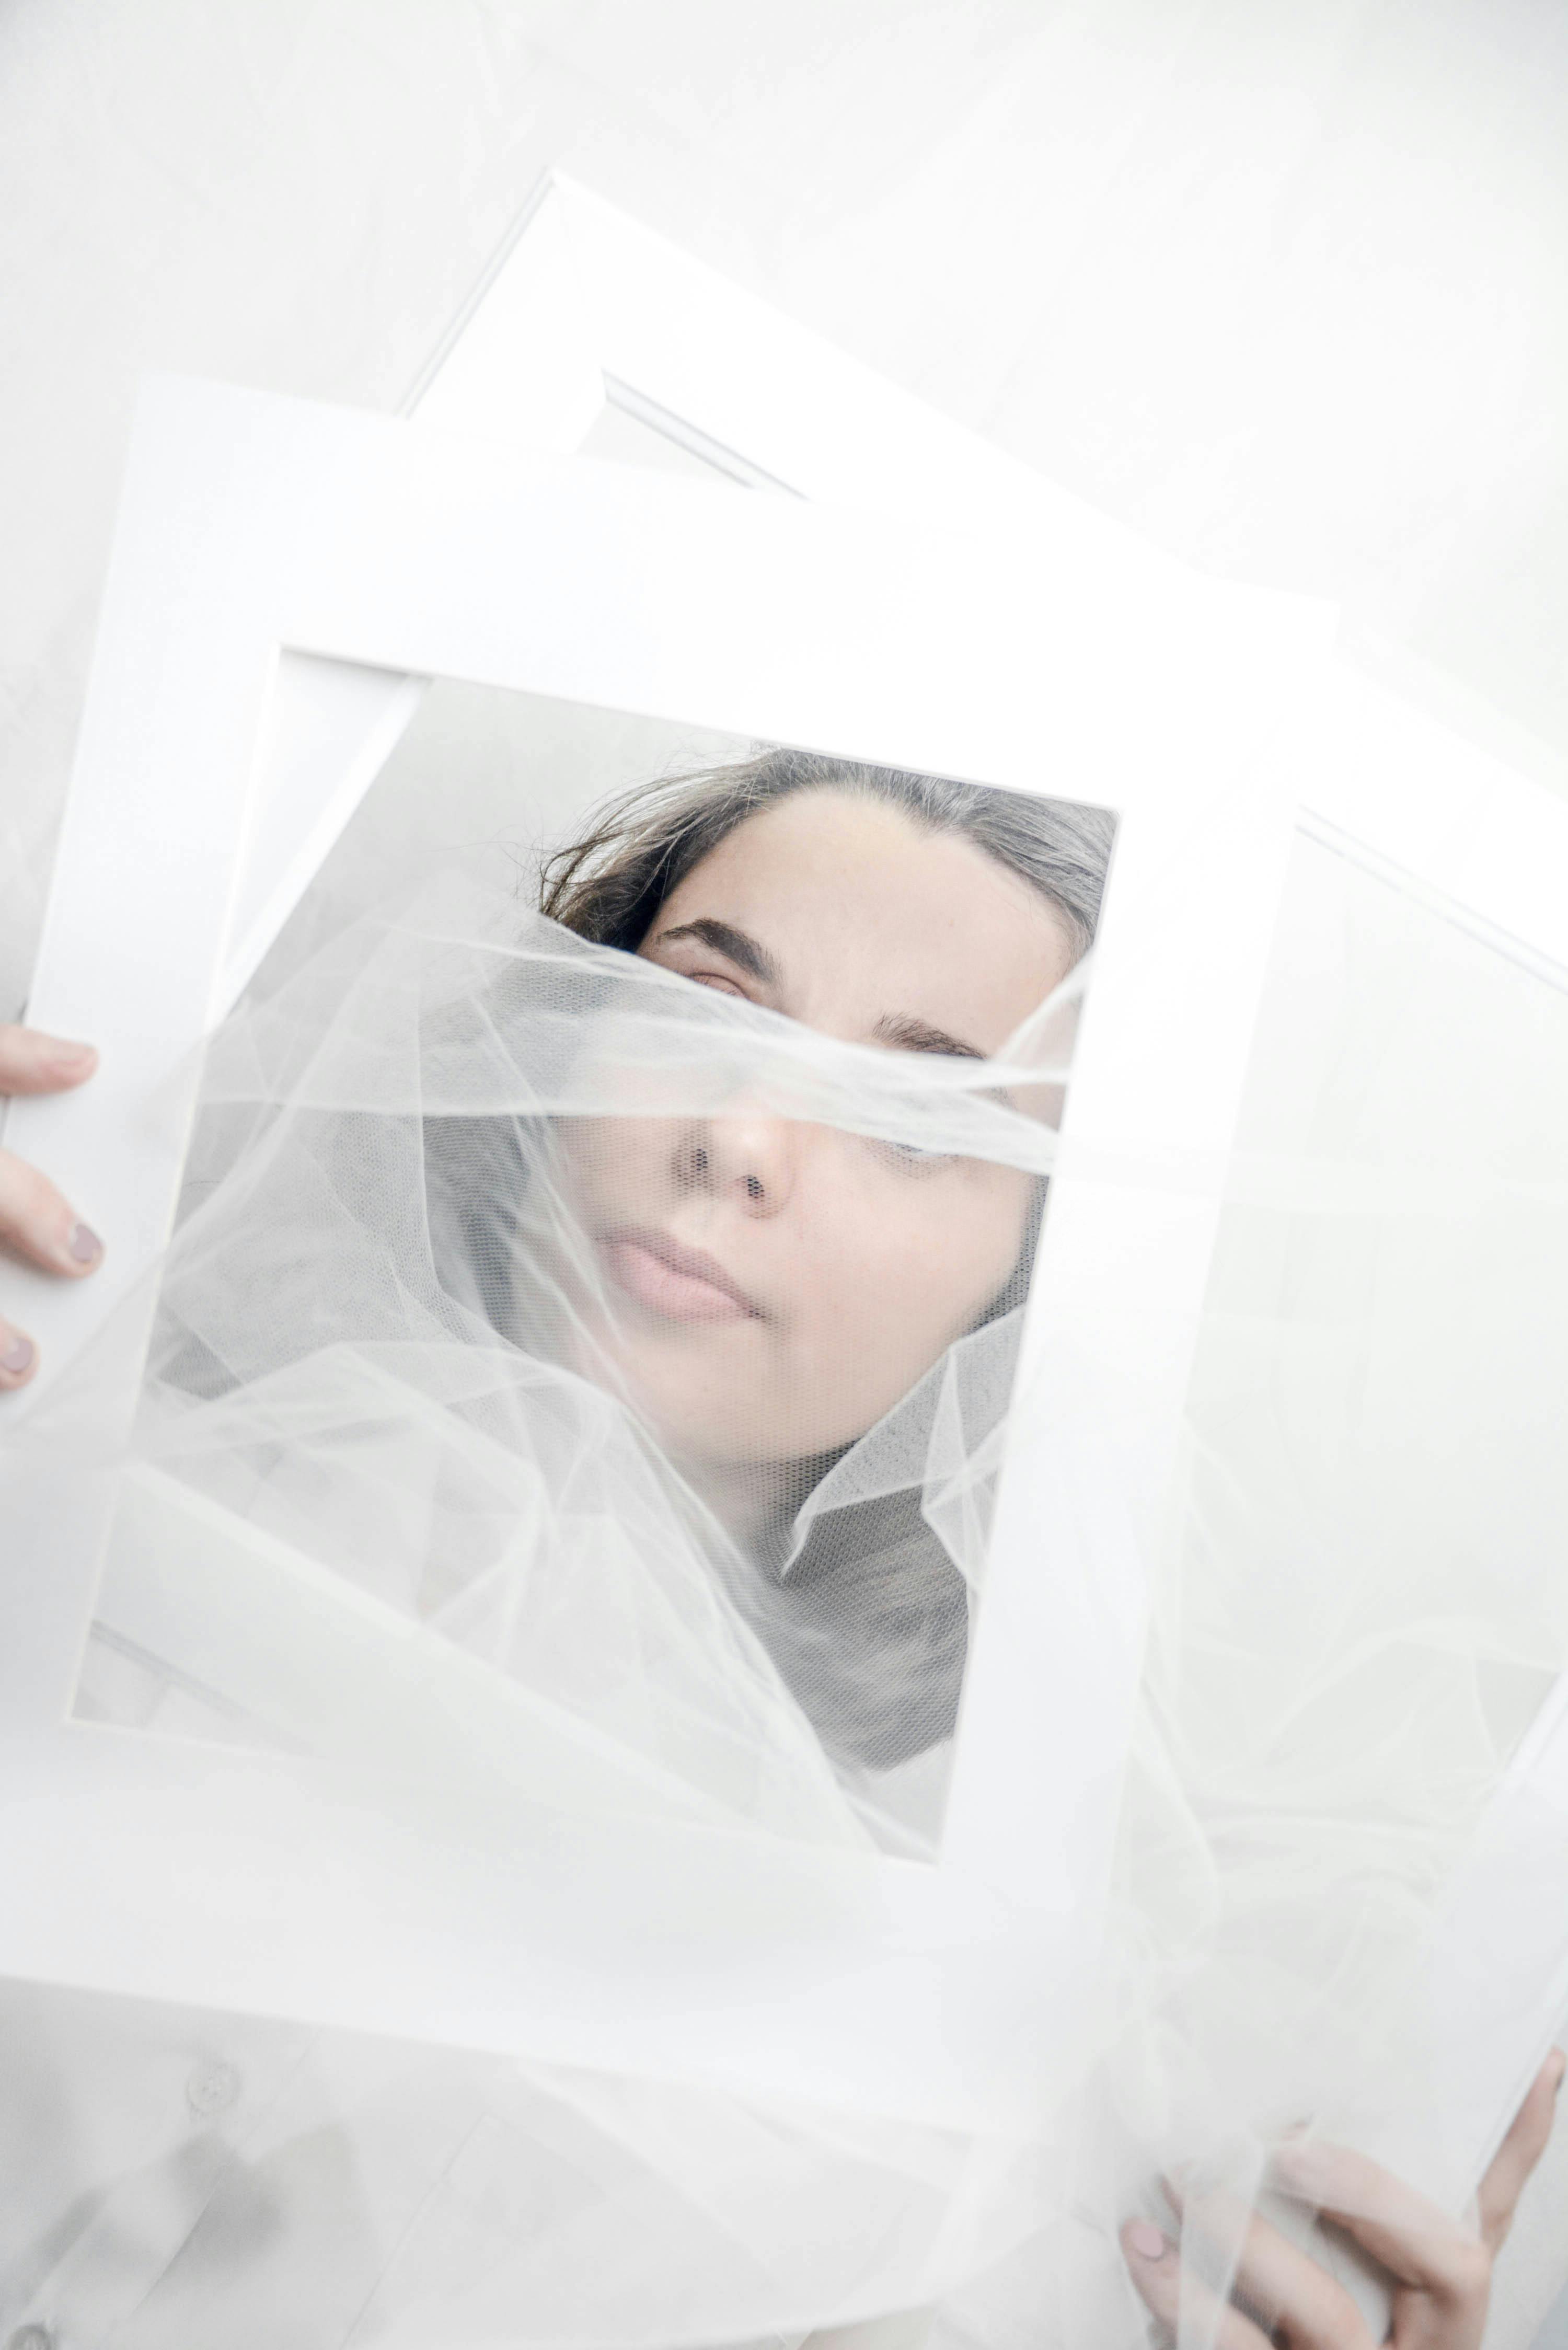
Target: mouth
{"points": [[677, 1282]]}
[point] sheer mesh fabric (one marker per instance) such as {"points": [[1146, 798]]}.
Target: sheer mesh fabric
{"points": [[390, 1334], [390, 1343]]}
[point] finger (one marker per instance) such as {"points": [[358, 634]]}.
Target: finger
{"points": [[1521, 2150], [38, 1223], [1293, 2292], [19, 1356], [1415, 2240], [1172, 2292], [32, 1063]]}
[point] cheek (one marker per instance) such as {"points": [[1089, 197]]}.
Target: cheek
{"points": [[611, 1162], [893, 1268], [904, 1265]]}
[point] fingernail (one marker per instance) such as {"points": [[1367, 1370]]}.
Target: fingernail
{"points": [[18, 1357], [84, 1246], [1557, 2064], [71, 1060], [1145, 2239]]}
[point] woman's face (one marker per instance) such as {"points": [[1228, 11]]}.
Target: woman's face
{"points": [[778, 1286]]}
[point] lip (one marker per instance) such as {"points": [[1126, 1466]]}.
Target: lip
{"points": [[677, 1282]]}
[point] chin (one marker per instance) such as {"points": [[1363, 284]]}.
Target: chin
{"points": [[702, 1423], [694, 1429]]}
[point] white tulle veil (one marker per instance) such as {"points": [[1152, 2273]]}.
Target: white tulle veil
{"points": [[385, 1339], [381, 1337]]}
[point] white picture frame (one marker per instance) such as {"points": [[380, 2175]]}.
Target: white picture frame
{"points": [[290, 1884], [586, 311]]}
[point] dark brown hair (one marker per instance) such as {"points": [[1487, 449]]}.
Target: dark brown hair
{"points": [[610, 885]]}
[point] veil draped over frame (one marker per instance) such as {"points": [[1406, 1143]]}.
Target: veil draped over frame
{"points": [[381, 1344]]}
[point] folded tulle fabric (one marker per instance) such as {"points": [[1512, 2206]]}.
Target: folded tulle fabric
{"points": [[389, 1335], [425, 1323]]}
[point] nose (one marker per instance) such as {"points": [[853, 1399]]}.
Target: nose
{"points": [[749, 1161]]}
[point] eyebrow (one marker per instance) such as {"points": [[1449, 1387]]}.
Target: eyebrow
{"points": [[737, 947], [913, 1035], [748, 954]]}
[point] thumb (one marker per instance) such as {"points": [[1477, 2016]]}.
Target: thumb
{"points": [[1521, 2150]]}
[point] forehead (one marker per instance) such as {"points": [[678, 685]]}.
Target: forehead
{"points": [[865, 912]]}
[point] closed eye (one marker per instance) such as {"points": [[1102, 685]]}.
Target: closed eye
{"points": [[910, 1159], [720, 979], [737, 947], [910, 1036]]}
